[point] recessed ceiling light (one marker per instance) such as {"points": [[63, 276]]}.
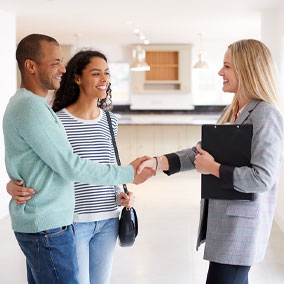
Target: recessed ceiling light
{"points": [[146, 41], [136, 31]]}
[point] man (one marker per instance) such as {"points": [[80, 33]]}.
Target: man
{"points": [[38, 152]]}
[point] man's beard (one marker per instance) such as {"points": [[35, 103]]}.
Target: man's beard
{"points": [[46, 82]]}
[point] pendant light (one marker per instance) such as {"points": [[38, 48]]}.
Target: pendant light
{"points": [[201, 63], [139, 63]]}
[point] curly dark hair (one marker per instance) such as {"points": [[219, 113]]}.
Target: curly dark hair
{"points": [[69, 91]]}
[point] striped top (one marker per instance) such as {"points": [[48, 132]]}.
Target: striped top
{"points": [[91, 139]]}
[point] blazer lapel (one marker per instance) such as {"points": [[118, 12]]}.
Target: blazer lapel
{"points": [[247, 111]]}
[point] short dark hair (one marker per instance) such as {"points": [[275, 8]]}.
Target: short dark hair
{"points": [[29, 48]]}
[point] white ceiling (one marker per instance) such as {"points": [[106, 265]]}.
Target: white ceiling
{"points": [[161, 21]]}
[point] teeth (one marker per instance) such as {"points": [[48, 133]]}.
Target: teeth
{"points": [[101, 87]]}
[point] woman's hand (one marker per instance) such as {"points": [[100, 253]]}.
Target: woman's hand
{"points": [[205, 163], [150, 163], [159, 163], [126, 200], [19, 193]]}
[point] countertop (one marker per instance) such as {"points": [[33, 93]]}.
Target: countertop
{"points": [[166, 119]]}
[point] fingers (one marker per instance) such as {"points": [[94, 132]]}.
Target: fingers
{"points": [[136, 163], [15, 187], [124, 196], [145, 174], [25, 191], [126, 200], [152, 172], [21, 199], [19, 193], [131, 200], [144, 158], [199, 149], [150, 163]]}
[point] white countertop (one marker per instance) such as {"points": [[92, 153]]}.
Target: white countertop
{"points": [[166, 119]]}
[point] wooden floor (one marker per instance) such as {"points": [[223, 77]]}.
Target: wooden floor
{"points": [[164, 253]]}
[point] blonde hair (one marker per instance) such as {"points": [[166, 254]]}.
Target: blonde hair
{"points": [[256, 74]]}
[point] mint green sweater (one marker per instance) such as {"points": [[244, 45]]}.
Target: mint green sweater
{"points": [[37, 151]]}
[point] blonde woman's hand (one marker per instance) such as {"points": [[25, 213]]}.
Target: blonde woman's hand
{"points": [[150, 163], [205, 163]]}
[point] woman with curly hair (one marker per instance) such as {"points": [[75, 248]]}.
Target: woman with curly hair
{"points": [[79, 103]]}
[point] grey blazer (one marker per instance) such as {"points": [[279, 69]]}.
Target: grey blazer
{"points": [[238, 231]]}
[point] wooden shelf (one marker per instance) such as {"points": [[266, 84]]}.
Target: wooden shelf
{"points": [[170, 72], [162, 82], [164, 65]]}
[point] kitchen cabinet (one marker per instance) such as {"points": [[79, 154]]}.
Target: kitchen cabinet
{"points": [[170, 70], [167, 85]]}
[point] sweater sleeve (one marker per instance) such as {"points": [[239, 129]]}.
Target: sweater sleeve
{"points": [[42, 131]]}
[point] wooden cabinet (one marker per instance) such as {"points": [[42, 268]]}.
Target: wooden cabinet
{"points": [[170, 70]]}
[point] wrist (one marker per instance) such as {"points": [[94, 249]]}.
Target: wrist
{"points": [[215, 169], [158, 160]]}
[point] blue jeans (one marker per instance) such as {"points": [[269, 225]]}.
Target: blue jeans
{"points": [[95, 245], [50, 256]]}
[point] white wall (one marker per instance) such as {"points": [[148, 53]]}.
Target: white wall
{"points": [[8, 88], [273, 36]]}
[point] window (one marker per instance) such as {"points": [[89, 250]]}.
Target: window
{"points": [[119, 78], [207, 88]]}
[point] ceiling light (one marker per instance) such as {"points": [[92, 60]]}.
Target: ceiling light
{"points": [[139, 63], [201, 63], [146, 41], [136, 31]]}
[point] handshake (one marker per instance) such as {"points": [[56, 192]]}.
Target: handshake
{"points": [[146, 167]]}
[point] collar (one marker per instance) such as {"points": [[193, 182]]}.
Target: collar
{"points": [[245, 113]]}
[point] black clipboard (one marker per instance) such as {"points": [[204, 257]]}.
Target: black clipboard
{"points": [[229, 145]]}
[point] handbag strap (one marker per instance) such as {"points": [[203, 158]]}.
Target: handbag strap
{"points": [[114, 145]]}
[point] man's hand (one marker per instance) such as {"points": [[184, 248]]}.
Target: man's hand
{"points": [[143, 176], [137, 162], [19, 193]]}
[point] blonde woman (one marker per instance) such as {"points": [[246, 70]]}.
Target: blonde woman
{"points": [[236, 233]]}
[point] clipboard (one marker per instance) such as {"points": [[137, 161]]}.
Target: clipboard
{"points": [[229, 145]]}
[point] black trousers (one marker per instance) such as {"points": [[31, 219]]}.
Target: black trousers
{"points": [[219, 273]]}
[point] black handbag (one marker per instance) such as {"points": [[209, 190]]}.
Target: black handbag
{"points": [[128, 222]]}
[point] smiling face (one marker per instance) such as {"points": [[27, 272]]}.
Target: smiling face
{"points": [[94, 80], [230, 81], [50, 68]]}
